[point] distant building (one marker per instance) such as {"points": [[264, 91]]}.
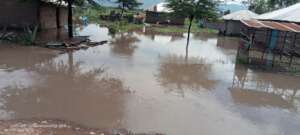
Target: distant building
{"points": [[45, 13], [233, 22], [160, 14]]}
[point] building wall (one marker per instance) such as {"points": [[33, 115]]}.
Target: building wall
{"points": [[63, 17], [233, 28], [48, 16], [19, 14], [213, 25], [16, 13]]}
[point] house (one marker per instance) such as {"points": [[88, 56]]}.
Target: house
{"points": [[272, 38], [160, 14], [45, 13], [288, 14], [233, 22]]}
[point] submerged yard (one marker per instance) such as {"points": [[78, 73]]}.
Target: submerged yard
{"points": [[146, 82]]}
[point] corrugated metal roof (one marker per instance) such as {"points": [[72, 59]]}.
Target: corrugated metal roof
{"points": [[291, 14], [240, 15], [282, 26]]}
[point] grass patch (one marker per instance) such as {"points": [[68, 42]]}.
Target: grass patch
{"points": [[120, 26], [93, 14], [178, 29], [169, 29]]}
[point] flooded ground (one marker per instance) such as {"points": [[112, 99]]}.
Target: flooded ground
{"points": [[148, 83]]}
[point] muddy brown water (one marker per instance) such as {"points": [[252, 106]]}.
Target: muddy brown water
{"points": [[147, 83]]}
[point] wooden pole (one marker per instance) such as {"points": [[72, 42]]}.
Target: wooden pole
{"points": [[58, 17], [70, 18]]}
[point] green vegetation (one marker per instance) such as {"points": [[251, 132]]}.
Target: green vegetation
{"points": [[127, 5], [262, 6], [25, 37], [94, 15], [120, 26], [193, 9], [97, 13], [182, 29]]}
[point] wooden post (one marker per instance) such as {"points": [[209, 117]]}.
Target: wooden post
{"points": [[38, 14], [284, 43], [70, 18], [58, 17], [294, 45]]}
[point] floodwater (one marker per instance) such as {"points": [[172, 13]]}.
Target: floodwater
{"points": [[147, 83]]}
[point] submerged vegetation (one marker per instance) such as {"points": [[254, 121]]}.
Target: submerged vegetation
{"points": [[27, 36]]}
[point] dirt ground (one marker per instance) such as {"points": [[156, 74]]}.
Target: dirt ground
{"points": [[54, 127]]}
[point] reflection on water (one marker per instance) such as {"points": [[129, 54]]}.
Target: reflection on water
{"points": [[124, 44], [179, 74], [98, 88], [60, 90], [263, 89], [161, 37]]}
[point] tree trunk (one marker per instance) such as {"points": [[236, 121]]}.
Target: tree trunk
{"points": [[191, 18], [122, 11], [70, 18]]}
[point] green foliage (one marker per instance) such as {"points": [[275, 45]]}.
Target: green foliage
{"points": [[262, 6], [92, 12], [183, 29], [26, 37], [275, 4], [200, 9], [29, 36], [120, 26], [128, 4]]}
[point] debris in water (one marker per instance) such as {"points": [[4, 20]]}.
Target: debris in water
{"points": [[76, 43], [43, 127], [97, 43]]}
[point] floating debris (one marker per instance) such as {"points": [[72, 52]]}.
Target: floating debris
{"points": [[81, 42], [97, 43], [45, 127]]}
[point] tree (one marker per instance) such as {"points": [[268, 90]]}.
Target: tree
{"points": [[259, 6], [263, 6], [276, 4], [193, 9], [127, 5]]}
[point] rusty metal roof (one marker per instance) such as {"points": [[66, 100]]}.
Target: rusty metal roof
{"points": [[282, 26]]}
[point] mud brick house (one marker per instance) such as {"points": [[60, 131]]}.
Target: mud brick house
{"points": [[233, 24], [22, 13], [160, 14]]}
